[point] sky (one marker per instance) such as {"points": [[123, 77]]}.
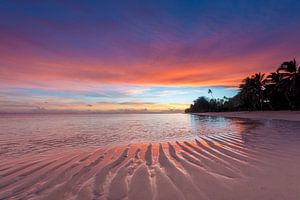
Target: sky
{"points": [[135, 55]]}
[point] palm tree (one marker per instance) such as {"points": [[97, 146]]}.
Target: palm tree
{"points": [[279, 90], [211, 93], [251, 91], [274, 92], [290, 78], [289, 67], [273, 78]]}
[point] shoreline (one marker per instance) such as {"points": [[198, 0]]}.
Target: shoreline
{"points": [[220, 166], [260, 115], [228, 164]]}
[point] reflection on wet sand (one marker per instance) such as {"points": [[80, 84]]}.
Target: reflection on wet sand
{"points": [[251, 164]]}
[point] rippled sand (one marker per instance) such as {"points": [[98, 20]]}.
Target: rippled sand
{"points": [[260, 164]]}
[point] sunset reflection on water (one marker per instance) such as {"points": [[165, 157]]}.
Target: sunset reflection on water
{"points": [[21, 134]]}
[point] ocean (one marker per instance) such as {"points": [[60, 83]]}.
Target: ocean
{"points": [[33, 133]]}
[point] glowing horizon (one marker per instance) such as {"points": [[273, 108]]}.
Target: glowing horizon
{"points": [[120, 56]]}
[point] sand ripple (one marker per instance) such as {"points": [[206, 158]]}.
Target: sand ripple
{"points": [[223, 166]]}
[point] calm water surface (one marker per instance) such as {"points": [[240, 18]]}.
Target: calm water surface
{"points": [[21, 134], [88, 157]]}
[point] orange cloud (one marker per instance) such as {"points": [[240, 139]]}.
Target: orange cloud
{"points": [[27, 62], [68, 105]]}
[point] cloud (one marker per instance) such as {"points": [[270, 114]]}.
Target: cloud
{"points": [[50, 107], [207, 44], [81, 53]]}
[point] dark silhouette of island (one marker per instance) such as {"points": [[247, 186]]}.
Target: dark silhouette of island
{"points": [[280, 90]]}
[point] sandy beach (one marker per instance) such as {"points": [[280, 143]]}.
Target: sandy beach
{"points": [[128, 100], [260, 162]]}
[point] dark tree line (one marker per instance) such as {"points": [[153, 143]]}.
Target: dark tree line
{"points": [[280, 90]]}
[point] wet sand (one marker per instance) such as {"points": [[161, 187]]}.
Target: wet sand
{"points": [[265, 115], [260, 163]]}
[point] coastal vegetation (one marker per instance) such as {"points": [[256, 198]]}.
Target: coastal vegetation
{"points": [[279, 90]]}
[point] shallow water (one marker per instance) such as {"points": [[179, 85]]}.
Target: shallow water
{"points": [[28, 133], [148, 156]]}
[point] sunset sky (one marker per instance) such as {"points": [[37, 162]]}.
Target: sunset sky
{"points": [[137, 55]]}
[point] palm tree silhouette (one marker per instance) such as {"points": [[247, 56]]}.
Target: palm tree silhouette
{"points": [[289, 72], [211, 93], [251, 91], [275, 91], [289, 67], [279, 90]]}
